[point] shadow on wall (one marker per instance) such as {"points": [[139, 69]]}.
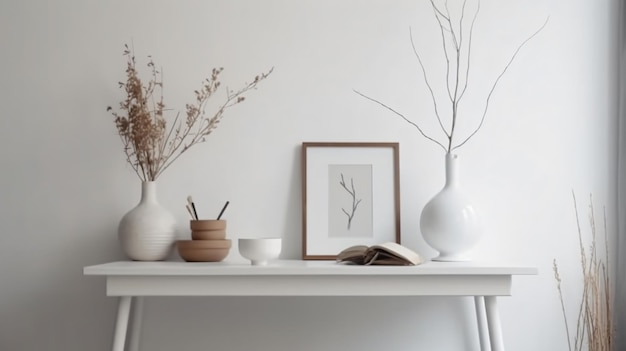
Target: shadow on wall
{"points": [[307, 323], [292, 240]]}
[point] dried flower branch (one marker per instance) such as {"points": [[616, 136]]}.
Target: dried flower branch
{"points": [[594, 325], [149, 144], [457, 53]]}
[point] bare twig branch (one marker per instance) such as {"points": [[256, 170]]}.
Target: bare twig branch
{"points": [[495, 84], [444, 45], [403, 117], [430, 89], [457, 50], [469, 52]]}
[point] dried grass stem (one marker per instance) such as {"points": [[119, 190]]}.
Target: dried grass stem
{"points": [[594, 326]]}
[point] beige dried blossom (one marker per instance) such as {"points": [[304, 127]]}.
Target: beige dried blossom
{"points": [[150, 145]]}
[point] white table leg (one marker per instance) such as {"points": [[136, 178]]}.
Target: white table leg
{"points": [[137, 318], [123, 312], [493, 320], [483, 332]]}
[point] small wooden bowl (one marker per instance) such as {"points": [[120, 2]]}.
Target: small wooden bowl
{"points": [[219, 234], [207, 224], [208, 229], [203, 250]]}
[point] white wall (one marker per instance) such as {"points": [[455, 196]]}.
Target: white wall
{"points": [[65, 185]]}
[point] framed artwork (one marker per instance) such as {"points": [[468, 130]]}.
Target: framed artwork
{"points": [[350, 196]]}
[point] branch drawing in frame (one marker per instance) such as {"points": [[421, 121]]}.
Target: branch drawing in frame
{"points": [[350, 196]]}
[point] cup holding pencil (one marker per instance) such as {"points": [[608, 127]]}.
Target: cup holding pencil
{"points": [[208, 237]]}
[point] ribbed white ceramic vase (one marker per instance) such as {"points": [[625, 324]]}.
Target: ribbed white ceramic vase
{"points": [[450, 223], [148, 231]]}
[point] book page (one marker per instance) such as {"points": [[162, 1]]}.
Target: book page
{"points": [[399, 251]]}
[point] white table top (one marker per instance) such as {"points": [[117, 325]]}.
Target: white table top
{"points": [[300, 267], [306, 278]]}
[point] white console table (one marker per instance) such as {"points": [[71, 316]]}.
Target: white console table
{"points": [[133, 280]]}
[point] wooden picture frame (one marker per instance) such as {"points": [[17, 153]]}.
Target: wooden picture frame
{"points": [[350, 196]]}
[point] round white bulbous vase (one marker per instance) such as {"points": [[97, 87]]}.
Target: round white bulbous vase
{"points": [[450, 223], [148, 231]]}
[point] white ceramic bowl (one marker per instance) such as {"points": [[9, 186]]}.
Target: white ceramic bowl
{"points": [[260, 250]]}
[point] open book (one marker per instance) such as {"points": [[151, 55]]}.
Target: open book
{"points": [[389, 253]]}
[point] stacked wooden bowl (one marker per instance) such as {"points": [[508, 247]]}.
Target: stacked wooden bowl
{"points": [[208, 241]]}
